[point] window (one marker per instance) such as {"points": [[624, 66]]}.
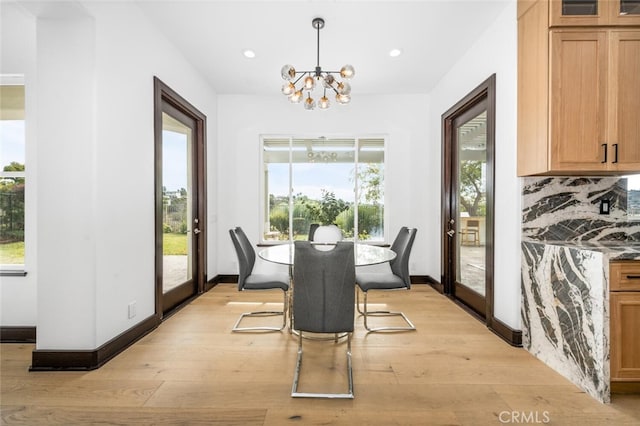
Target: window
{"points": [[633, 197], [12, 175], [321, 180]]}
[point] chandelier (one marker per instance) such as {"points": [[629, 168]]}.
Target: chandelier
{"points": [[327, 79]]}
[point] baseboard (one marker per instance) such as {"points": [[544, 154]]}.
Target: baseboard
{"points": [[508, 334], [625, 387], [84, 360], [17, 334], [225, 279], [422, 279], [437, 285]]}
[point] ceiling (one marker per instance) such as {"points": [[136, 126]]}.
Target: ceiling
{"points": [[432, 34]]}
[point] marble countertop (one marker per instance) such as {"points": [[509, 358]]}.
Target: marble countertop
{"points": [[616, 250]]}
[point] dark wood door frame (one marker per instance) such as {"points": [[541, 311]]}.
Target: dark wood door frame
{"points": [[167, 100], [485, 92]]}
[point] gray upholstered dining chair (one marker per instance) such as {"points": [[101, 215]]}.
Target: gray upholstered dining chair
{"points": [[396, 279], [247, 280], [323, 301]]}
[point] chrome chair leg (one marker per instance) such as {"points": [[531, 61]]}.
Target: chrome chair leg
{"points": [[294, 389], [365, 313], [237, 328]]}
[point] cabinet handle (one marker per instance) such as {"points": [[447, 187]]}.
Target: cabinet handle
{"points": [[604, 146], [633, 277], [615, 153]]}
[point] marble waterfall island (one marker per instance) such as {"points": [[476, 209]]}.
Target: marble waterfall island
{"points": [[565, 313]]}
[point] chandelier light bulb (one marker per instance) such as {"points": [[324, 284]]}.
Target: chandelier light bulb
{"points": [[296, 96], [344, 88], [328, 80], [323, 103], [309, 83], [288, 72], [347, 71], [288, 88], [343, 99], [309, 103]]}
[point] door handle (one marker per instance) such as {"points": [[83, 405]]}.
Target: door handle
{"points": [[451, 232], [196, 231]]}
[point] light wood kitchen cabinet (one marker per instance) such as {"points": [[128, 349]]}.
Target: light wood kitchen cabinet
{"points": [[594, 12], [595, 100], [624, 321], [578, 97]]}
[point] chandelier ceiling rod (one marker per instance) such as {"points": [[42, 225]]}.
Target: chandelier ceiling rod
{"points": [[318, 23]]}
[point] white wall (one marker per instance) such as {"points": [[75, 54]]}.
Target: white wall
{"points": [[495, 52], [409, 162], [95, 174]]}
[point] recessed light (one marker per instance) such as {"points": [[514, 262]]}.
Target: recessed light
{"points": [[248, 53], [394, 53]]}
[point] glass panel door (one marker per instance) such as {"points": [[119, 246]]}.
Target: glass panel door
{"points": [[467, 200], [471, 136], [177, 151], [180, 200]]}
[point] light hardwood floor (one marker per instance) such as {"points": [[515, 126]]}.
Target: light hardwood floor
{"points": [[193, 370]]}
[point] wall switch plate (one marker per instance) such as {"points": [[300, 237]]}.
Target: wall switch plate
{"points": [[605, 207], [132, 309]]}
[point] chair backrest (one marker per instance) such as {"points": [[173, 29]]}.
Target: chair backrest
{"points": [[312, 230], [245, 252], [327, 234], [473, 223], [324, 288], [402, 247]]}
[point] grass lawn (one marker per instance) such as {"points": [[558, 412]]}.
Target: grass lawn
{"points": [[174, 244], [12, 253]]}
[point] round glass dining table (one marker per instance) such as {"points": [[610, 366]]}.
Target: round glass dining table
{"points": [[365, 254]]}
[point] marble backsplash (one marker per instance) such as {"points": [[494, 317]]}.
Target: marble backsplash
{"points": [[568, 209]]}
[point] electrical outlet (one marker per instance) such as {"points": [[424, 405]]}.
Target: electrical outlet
{"points": [[132, 309], [605, 207]]}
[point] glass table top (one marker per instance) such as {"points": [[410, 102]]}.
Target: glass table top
{"points": [[365, 254]]}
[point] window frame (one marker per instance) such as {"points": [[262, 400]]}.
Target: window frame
{"points": [[17, 269], [263, 191]]}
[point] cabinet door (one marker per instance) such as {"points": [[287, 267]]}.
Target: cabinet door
{"points": [[625, 336], [624, 100], [578, 100], [594, 12], [624, 12], [580, 12], [533, 90]]}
